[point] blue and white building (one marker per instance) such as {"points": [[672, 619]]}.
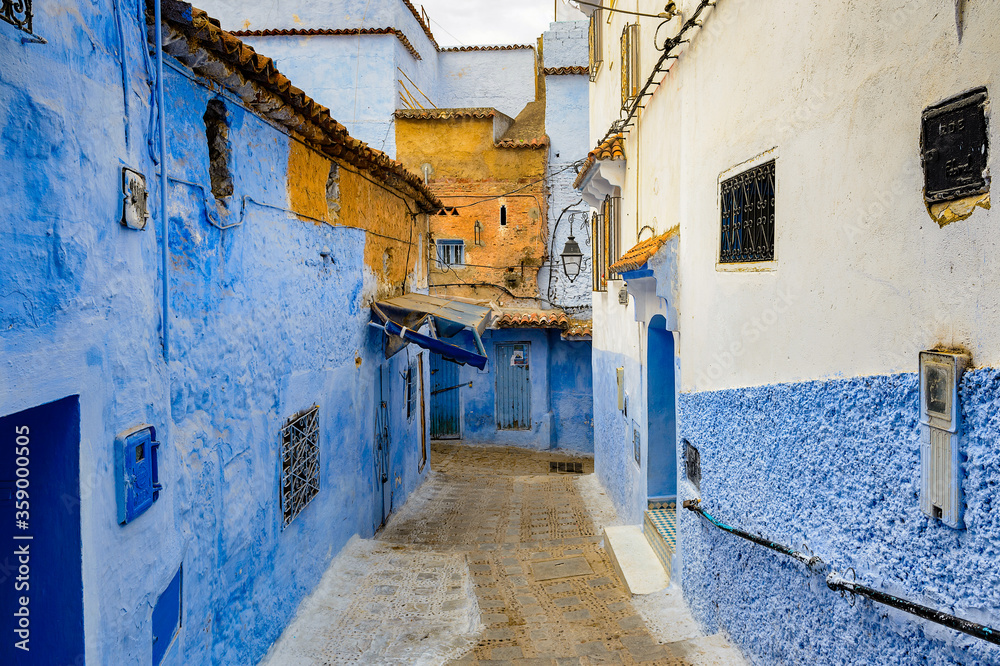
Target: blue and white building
{"points": [[806, 189]]}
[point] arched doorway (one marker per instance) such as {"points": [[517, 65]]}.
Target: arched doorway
{"points": [[661, 411]]}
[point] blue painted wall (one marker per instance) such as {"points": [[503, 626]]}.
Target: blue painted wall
{"points": [[561, 397], [262, 327], [847, 452]]}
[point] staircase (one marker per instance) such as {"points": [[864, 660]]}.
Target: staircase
{"points": [[642, 555], [660, 529]]}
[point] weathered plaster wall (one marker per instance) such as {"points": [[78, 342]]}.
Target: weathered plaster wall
{"points": [[561, 398], [836, 465], [566, 125], [466, 168], [354, 76], [503, 80], [566, 44], [262, 327]]}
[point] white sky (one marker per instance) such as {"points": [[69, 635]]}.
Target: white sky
{"points": [[472, 22]]}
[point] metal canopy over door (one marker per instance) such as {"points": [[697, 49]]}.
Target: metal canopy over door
{"points": [[445, 399], [513, 387], [383, 489]]}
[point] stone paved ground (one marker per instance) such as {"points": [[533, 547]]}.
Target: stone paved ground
{"points": [[546, 589], [494, 560]]}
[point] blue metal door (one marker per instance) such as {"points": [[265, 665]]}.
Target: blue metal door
{"points": [[513, 387], [383, 488], [445, 399]]}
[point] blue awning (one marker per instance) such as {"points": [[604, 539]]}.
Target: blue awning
{"points": [[455, 327]]}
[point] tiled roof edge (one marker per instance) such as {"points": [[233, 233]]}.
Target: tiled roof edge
{"points": [[562, 71], [445, 114], [420, 21], [497, 47], [334, 32], [189, 33], [535, 144]]}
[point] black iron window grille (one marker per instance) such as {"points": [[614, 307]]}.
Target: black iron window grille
{"points": [[748, 216], [450, 253], [299, 463], [630, 64], [607, 241], [17, 13], [411, 390], [596, 43]]}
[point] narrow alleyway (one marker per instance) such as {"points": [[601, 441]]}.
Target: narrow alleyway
{"points": [[496, 560]]}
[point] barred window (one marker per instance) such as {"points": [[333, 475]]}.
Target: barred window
{"points": [[596, 42], [411, 389], [17, 13], [450, 253], [607, 241], [748, 216], [630, 63], [299, 462]]}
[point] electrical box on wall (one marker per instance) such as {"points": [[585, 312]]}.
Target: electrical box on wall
{"points": [[620, 376], [940, 434], [136, 474]]}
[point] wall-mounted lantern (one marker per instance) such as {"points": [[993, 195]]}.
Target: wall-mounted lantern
{"points": [[572, 259], [478, 233]]}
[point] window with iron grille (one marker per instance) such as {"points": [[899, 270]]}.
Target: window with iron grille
{"points": [[411, 389], [607, 241], [596, 42], [630, 63], [748, 216], [299, 462], [17, 13], [450, 253]]}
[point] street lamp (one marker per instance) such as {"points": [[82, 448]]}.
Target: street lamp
{"points": [[572, 259]]}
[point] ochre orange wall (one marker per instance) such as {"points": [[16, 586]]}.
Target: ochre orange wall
{"points": [[466, 169]]}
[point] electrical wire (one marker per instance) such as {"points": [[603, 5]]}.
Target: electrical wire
{"points": [[663, 15], [576, 164]]}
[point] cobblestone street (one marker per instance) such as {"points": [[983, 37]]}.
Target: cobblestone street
{"points": [[538, 587]]}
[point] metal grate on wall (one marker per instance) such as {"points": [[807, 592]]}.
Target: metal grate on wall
{"points": [[17, 13], [606, 245], [299, 462], [596, 43], [748, 216], [630, 64]]}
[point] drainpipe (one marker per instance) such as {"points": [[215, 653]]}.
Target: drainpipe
{"points": [[165, 250]]}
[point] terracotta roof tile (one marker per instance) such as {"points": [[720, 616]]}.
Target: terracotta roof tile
{"points": [[536, 144], [445, 114], [330, 32], [532, 319], [578, 330], [420, 20], [499, 47], [561, 71], [638, 256], [612, 148], [190, 33]]}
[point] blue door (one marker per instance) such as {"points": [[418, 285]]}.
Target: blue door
{"points": [[445, 399], [661, 477], [383, 487], [513, 386]]}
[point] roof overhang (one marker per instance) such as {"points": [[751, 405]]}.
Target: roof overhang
{"points": [[454, 328], [602, 180]]}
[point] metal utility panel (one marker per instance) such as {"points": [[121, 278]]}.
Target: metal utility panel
{"points": [[445, 399], [940, 433], [137, 484], [513, 406], [954, 142]]}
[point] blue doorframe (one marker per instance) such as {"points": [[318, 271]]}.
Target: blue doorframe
{"points": [[446, 416], [661, 411], [382, 446]]}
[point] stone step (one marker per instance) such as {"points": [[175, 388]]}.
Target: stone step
{"points": [[660, 527], [634, 559]]}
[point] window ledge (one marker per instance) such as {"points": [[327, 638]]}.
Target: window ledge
{"points": [[747, 267]]}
